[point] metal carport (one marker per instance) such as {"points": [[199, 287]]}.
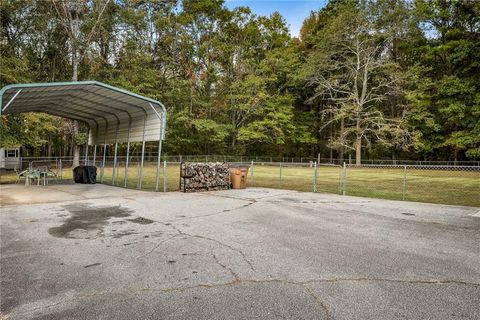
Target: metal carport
{"points": [[113, 115]]}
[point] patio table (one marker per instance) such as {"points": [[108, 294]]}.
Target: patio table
{"points": [[31, 175]]}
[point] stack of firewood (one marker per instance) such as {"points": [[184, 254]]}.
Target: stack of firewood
{"points": [[204, 176]]}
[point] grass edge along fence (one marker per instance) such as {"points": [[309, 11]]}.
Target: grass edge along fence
{"points": [[443, 184]]}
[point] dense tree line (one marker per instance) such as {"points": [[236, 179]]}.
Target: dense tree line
{"points": [[376, 79]]}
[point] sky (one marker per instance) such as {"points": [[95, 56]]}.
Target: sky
{"points": [[293, 11]]}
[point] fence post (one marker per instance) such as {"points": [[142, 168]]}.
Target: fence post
{"points": [[251, 173], [404, 189], [344, 179], [280, 172], [315, 175], [61, 169], [165, 176]]}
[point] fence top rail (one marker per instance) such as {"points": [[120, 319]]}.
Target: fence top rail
{"points": [[274, 161], [400, 166]]}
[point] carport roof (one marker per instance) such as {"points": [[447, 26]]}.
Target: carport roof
{"points": [[113, 114]]}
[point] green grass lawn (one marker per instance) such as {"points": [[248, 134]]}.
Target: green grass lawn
{"points": [[435, 186]]}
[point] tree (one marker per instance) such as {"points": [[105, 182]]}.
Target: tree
{"points": [[71, 14], [447, 82], [351, 72], [237, 82]]}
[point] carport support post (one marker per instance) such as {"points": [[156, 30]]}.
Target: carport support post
{"points": [[114, 172], [404, 189], [86, 148], [94, 154], [315, 175], [140, 176], [165, 176], [128, 153], [61, 169], [103, 161], [160, 138], [158, 164], [344, 179], [125, 182], [86, 153], [104, 150], [141, 166]]}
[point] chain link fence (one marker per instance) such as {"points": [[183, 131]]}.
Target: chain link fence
{"points": [[445, 184], [456, 185]]}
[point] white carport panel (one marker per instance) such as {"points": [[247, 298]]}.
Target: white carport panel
{"points": [[111, 113]]}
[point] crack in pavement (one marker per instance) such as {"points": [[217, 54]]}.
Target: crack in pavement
{"points": [[319, 301], [306, 283], [283, 281], [303, 284], [246, 198], [234, 275], [315, 202], [213, 240], [156, 246], [414, 281], [215, 213]]}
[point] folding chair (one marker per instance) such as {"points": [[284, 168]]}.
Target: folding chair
{"points": [[20, 174]]}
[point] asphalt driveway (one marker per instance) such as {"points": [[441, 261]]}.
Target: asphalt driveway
{"points": [[100, 252]]}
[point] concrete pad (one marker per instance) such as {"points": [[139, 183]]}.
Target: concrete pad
{"points": [[14, 194], [90, 252]]}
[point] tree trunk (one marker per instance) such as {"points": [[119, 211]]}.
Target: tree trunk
{"points": [[331, 149], [358, 150], [191, 100], [76, 148], [342, 128], [49, 147]]}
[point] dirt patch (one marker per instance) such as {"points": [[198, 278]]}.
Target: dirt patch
{"points": [[86, 217], [124, 233], [6, 200], [141, 220], [289, 199]]}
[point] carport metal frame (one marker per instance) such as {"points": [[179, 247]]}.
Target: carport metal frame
{"points": [[52, 107]]}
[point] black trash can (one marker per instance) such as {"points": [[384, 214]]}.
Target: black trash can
{"points": [[78, 174], [85, 174]]}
